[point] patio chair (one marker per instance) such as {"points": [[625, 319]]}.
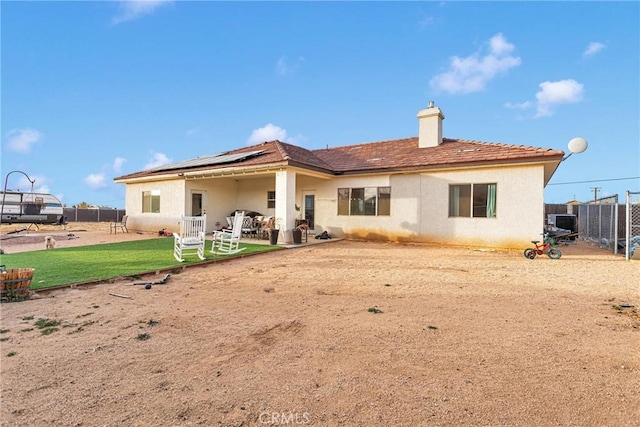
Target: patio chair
{"points": [[122, 224], [191, 239], [227, 242], [250, 226], [229, 222]]}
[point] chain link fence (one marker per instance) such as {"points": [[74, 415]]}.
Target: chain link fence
{"points": [[598, 222], [632, 235], [607, 222]]}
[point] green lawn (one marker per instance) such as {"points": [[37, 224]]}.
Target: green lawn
{"points": [[67, 266]]}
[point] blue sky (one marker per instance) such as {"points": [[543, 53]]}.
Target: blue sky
{"points": [[94, 90]]}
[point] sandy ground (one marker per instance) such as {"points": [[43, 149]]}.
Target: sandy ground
{"points": [[16, 238], [344, 333]]}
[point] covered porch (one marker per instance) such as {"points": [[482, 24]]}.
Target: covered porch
{"points": [[286, 194]]}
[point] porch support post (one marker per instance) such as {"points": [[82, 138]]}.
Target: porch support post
{"points": [[285, 204]]}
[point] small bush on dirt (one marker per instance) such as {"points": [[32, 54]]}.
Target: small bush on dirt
{"points": [[143, 337], [46, 323], [47, 326], [374, 310]]}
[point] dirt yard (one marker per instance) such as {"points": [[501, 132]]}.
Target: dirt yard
{"points": [[342, 333]]}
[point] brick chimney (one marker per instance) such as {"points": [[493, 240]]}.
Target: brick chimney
{"points": [[430, 124]]}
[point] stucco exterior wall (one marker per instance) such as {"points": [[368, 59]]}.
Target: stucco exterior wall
{"points": [[420, 205], [172, 201], [219, 199], [363, 227], [252, 194], [519, 208]]}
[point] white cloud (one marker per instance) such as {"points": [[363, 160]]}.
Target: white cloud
{"points": [[554, 93], [471, 74], [118, 162], [593, 48], [285, 67], [96, 181], [157, 160], [22, 140], [40, 184], [21, 183], [132, 9], [518, 105], [269, 132], [41, 188], [499, 45]]}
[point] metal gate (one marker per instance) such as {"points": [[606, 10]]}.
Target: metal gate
{"points": [[632, 237]]}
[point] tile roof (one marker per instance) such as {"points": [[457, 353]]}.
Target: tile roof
{"points": [[405, 154], [383, 156]]}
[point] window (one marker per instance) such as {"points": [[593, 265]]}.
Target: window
{"points": [[472, 200], [384, 201], [343, 201], [151, 201], [364, 201], [271, 199]]}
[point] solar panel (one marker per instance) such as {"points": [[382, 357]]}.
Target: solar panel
{"points": [[208, 160]]}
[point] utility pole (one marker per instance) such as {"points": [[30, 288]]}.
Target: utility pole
{"points": [[595, 193]]}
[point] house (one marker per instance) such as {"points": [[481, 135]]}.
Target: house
{"points": [[421, 189]]}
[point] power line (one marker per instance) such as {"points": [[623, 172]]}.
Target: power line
{"points": [[595, 180]]}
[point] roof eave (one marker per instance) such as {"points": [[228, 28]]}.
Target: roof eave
{"points": [[306, 166], [461, 165], [130, 179], [551, 168]]}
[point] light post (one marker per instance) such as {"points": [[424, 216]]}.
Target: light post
{"points": [[4, 193]]}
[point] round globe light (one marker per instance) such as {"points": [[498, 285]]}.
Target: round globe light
{"points": [[577, 145]]}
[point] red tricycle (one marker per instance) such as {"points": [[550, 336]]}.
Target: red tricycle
{"points": [[546, 246]]}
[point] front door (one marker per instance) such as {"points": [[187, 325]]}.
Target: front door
{"points": [[309, 209], [196, 204]]}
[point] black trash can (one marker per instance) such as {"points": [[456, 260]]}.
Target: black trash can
{"points": [[273, 236], [297, 235]]}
